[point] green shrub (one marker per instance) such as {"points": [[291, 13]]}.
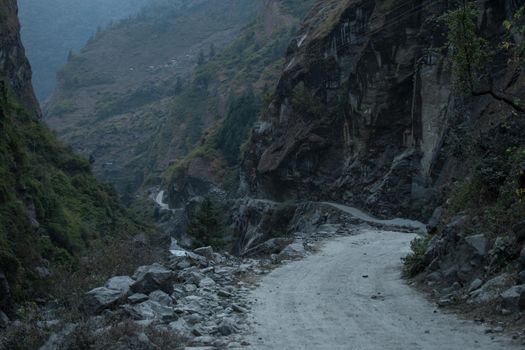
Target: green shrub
{"points": [[414, 263]]}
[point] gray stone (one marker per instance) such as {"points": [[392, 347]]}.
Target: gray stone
{"points": [[434, 220], [4, 320], [491, 289], [434, 276], [189, 288], [161, 298], [121, 283], [193, 318], [519, 231], [521, 277], [478, 243], [59, 340], [239, 309], [98, 299], [152, 277], [293, 251], [206, 282], [180, 327], [224, 294], [137, 298], [475, 285], [513, 299], [207, 252], [151, 310], [225, 330]]}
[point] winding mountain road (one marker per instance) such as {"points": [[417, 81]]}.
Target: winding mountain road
{"points": [[351, 296]]}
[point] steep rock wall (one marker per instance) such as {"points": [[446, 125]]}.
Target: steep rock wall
{"points": [[14, 65], [364, 106]]}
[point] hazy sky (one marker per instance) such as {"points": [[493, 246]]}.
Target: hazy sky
{"points": [[51, 28]]}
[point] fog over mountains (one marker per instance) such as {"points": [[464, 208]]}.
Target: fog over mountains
{"points": [[51, 28]]}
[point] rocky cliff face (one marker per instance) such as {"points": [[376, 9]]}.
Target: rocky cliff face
{"points": [[14, 65], [365, 106]]}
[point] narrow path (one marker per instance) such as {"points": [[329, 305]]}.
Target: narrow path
{"points": [[411, 224], [350, 296]]}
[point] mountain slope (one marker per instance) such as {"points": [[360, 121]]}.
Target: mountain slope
{"points": [[51, 207], [140, 113], [52, 28], [114, 96]]}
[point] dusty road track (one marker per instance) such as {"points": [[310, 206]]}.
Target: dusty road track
{"points": [[324, 302]]}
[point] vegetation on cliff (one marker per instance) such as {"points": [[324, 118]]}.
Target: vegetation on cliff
{"points": [[51, 206]]}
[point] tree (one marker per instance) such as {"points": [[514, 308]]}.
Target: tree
{"points": [[206, 225], [468, 53], [212, 50]]}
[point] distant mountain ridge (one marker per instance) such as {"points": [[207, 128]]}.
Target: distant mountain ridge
{"points": [[53, 28]]}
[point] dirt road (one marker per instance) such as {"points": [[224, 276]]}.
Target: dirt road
{"points": [[351, 296]]}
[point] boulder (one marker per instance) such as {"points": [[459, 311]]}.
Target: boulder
{"points": [[475, 285], [137, 298], [519, 231], [151, 278], [206, 252], [478, 243], [513, 299], [434, 220], [121, 283], [491, 289], [206, 282], [293, 251], [151, 310], [4, 320], [180, 327], [161, 298], [521, 277], [99, 299]]}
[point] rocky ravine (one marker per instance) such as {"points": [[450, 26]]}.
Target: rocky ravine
{"points": [[348, 293]]}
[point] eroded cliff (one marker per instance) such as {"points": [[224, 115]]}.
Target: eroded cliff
{"points": [[365, 109]]}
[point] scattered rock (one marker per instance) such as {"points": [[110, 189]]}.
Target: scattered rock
{"points": [[120, 283], [434, 220], [513, 299], [239, 309], [151, 278], [478, 243], [491, 289], [150, 310], [137, 298], [4, 320], [206, 282], [224, 294], [475, 285], [521, 277], [519, 231], [161, 298], [59, 340], [207, 252], [99, 299], [294, 251]]}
